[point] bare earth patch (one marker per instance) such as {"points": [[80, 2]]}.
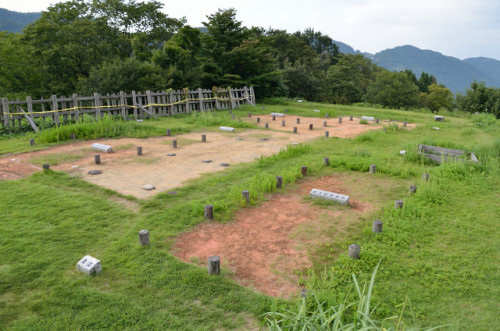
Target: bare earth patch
{"points": [[266, 247], [125, 172]]}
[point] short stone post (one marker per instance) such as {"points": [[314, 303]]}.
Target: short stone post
{"points": [[283, 123], [373, 168], [246, 195], [294, 129], [274, 118], [249, 114], [203, 138], [46, 168], [377, 120], [350, 118], [327, 115], [303, 171], [279, 181], [413, 189], [353, 251], [139, 150], [174, 143], [325, 124], [286, 110], [377, 226], [258, 119], [230, 111], [144, 237], [213, 266], [209, 212], [266, 126], [405, 124], [310, 126], [169, 133], [326, 161], [425, 176], [298, 120], [398, 204], [97, 159], [32, 142], [340, 119], [72, 136], [233, 117], [327, 134]]}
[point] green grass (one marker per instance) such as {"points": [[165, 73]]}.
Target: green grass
{"points": [[439, 253]]}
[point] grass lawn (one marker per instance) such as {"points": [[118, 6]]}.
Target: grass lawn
{"points": [[440, 253]]}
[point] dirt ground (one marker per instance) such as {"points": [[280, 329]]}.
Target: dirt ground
{"points": [[125, 172], [267, 246]]}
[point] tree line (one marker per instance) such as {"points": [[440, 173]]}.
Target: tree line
{"points": [[105, 46]]}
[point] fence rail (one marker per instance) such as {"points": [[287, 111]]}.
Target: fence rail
{"points": [[137, 105]]}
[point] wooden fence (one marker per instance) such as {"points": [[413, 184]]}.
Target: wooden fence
{"points": [[133, 106]]}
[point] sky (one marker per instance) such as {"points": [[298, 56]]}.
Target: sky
{"points": [[459, 28]]}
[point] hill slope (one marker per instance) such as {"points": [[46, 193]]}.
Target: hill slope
{"points": [[450, 71], [15, 21]]}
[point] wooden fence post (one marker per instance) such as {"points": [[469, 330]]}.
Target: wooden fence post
{"points": [[134, 103], [231, 97], [76, 110], [54, 108], [252, 95], [200, 99], [5, 111], [150, 102], [123, 105]]}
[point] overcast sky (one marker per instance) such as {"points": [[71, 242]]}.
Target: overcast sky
{"points": [[459, 28]]}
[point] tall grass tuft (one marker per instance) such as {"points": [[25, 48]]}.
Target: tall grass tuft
{"points": [[355, 315]]}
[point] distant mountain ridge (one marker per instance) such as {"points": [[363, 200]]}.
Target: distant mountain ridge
{"points": [[14, 21]]}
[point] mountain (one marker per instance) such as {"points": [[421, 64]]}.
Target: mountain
{"points": [[454, 73], [15, 21]]}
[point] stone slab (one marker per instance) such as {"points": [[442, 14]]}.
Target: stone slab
{"points": [[320, 194]]}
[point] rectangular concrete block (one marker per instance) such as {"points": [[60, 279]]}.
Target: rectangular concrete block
{"points": [[320, 194], [102, 148], [278, 114], [438, 118], [89, 265], [368, 118], [226, 128]]}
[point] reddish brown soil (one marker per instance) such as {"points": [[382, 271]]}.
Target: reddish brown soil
{"points": [[262, 247], [125, 172]]}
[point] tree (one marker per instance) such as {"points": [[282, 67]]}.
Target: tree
{"points": [[322, 44], [425, 81], [393, 89], [438, 97], [479, 98]]}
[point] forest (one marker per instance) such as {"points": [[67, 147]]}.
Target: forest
{"points": [[84, 46]]}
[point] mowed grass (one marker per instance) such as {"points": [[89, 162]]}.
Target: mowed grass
{"points": [[439, 253]]}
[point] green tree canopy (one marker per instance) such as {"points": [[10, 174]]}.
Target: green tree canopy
{"points": [[393, 89], [438, 97], [479, 98]]}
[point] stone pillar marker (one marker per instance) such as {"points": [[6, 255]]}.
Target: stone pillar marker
{"points": [[213, 265], [425, 176], [327, 115], [310, 126], [72, 136], [283, 123], [249, 114], [377, 120], [303, 171], [267, 126], [209, 212], [169, 133], [274, 118], [413, 189], [340, 119], [327, 134], [246, 195], [350, 118], [353, 251], [294, 129], [144, 237], [46, 167], [279, 181], [174, 143], [298, 120], [326, 161], [373, 169], [203, 138], [97, 159], [32, 142], [405, 124], [398, 204], [325, 124], [258, 119], [377, 226], [139, 150]]}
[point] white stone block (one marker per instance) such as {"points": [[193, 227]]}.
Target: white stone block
{"points": [[278, 114], [438, 118], [435, 128], [402, 152], [320, 194], [102, 148], [299, 101], [368, 118], [316, 110], [226, 128], [89, 265]]}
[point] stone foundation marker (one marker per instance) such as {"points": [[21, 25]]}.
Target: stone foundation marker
{"points": [[209, 212], [279, 181], [298, 120], [169, 133], [283, 123], [294, 129], [310, 126], [258, 119], [413, 189], [174, 143], [102, 148], [213, 265], [249, 115], [89, 265], [325, 124], [203, 138], [246, 195], [398, 204], [373, 168], [97, 159], [353, 251], [350, 118], [340, 119], [325, 195], [326, 161], [139, 150], [46, 168], [377, 226], [266, 126], [327, 134], [425, 176], [144, 237], [72, 136], [32, 142], [303, 171]]}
